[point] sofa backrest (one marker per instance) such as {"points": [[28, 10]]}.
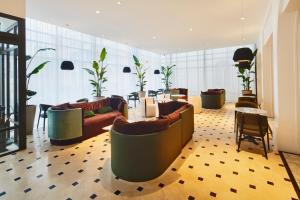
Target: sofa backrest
{"points": [[87, 106], [121, 125], [169, 107]]}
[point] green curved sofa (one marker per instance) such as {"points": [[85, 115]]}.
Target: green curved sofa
{"points": [[142, 157]]}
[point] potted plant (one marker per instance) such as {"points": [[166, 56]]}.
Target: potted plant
{"points": [[98, 73], [167, 72], [141, 75], [244, 72], [31, 109]]}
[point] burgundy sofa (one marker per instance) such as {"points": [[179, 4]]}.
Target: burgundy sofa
{"points": [[92, 126]]}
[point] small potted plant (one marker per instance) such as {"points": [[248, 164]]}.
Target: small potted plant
{"points": [[31, 109], [141, 75], [167, 72], [244, 72], [98, 73]]}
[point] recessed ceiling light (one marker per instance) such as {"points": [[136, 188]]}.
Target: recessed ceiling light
{"points": [[153, 37], [243, 39], [98, 11], [191, 29], [119, 2], [243, 18]]}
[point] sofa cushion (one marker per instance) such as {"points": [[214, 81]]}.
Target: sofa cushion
{"points": [[63, 106], [121, 106], [139, 128], [88, 113], [104, 109], [169, 107], [94, 125]]}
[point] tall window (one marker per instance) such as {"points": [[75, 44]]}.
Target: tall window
{"points": [[204, 69], [197, 70], [54, 85]]}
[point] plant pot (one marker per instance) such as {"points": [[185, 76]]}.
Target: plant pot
{"points": [[142, 94], [246, 92], [30, 115], [98, 98]]}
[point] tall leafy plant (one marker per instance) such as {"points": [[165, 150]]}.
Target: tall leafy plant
{"points": [[36, 70], [167, 72], [245, 70], [98, 72], [140, 73]]}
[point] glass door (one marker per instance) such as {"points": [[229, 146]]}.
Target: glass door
{"points": [[12, 84]]}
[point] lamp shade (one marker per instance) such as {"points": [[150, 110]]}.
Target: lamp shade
{"points": [[243, 54], [126, 70], [67, 65], [156, 71]]}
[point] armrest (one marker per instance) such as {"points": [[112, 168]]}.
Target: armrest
{"points": [[65, 124]]}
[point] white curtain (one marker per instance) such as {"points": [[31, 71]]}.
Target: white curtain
{"points": [[207, 69], [55, 86], [197, 71]]}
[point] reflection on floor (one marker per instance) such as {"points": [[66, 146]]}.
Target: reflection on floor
{"points": [[208, 168], [294, 164]]}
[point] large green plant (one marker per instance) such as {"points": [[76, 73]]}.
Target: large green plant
{"points": [[140, 73], [98, 73], [36, 70], [245, 70], [167, 72]]}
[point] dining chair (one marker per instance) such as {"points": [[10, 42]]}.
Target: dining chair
{"points": [[152, 93], [242, 104], [43, 114], [133, 96], [254, 126]]}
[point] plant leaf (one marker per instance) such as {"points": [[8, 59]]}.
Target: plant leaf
{"points": [[103, 55], [91, 72], [37, 69]]}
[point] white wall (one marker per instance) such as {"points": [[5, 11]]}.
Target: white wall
{"points": [[282, 23], [13, 7]]}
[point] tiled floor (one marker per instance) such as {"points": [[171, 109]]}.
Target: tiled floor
{"points": [[208, 168]]}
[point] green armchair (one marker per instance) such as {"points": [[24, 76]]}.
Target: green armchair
{"points": [[71, 128]]}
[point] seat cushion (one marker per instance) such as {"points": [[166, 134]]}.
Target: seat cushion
{"points": [[139, 128], [94, 125]]}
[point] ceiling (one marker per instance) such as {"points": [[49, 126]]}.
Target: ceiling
{"points": [[161, 26]]}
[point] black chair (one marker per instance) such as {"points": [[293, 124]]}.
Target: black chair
{"points": [[152, 93], [160, 91], [254, 126], [116, 96], [133, 96], [43, 114], [82, 100]]}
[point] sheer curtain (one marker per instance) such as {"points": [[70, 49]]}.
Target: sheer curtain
{"points": [[204, 69], [55, 86], [197, 70]]}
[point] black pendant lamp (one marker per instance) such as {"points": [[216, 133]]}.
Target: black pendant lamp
{"points": [[67, 65], [156, 71], [243, 54], [126, 70]]}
